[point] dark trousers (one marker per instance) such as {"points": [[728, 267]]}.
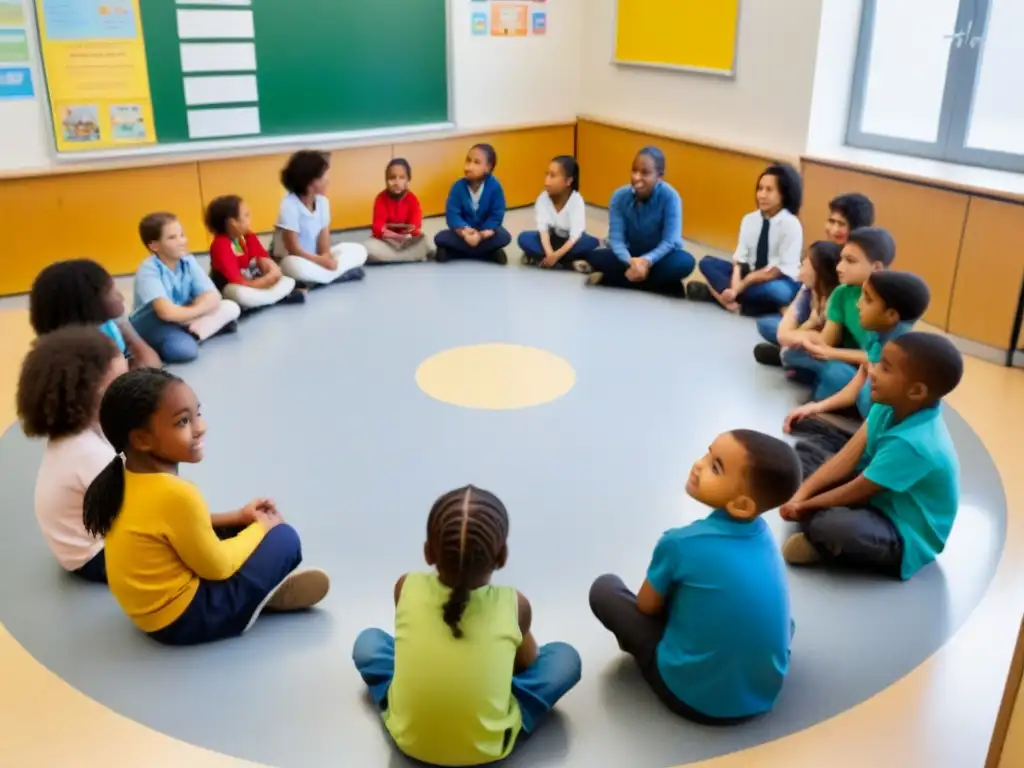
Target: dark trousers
{"points": [[457, 248], [665, 277], [95, 570], [531, 246], [223, 609], [856, 538], [761, 299], [638, 634]]}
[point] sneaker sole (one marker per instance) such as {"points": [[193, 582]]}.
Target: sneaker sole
{"points": [[799, 551], [297, 591]]}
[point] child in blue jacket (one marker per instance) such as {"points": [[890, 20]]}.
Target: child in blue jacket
{"points": [[474, 212]]}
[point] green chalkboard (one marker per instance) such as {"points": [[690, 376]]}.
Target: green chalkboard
{"points": [[322, 66]]}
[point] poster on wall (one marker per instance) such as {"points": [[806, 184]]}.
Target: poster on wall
{"points": [[539, 23], [509, 20], [15, 58], [480, 25], [96, 71]]}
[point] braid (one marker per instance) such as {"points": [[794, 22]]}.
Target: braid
{"points": [[467, 529], [127, 405]]}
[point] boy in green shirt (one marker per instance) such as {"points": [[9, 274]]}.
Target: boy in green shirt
{"points": [[829, 360], [887, 501]]}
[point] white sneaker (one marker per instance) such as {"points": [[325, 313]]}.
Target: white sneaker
{"points": [[300, 590]]}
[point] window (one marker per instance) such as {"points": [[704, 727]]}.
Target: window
{"points": [[941, 79]]}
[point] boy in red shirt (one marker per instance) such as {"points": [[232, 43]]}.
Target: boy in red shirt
{"points": [[239, 264], [397, 220]]}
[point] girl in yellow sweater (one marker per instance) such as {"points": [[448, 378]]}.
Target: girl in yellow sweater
{"points": [[463, 678], [182, 575]]}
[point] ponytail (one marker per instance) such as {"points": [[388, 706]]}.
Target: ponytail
{"points": [[571, 169], [456, 606], [104, 498]]}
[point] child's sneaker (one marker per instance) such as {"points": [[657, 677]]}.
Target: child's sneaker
{"points": [[356, 273], [297, 296], [582, 266], [500, 257], [798, 550], [441, 256], [698, 291], [301, 589], [768, 354], [595, 278], [529, 261]]}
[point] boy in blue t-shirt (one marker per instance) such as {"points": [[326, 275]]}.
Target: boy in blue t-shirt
{"points": [[887, 501], [711, 627]]}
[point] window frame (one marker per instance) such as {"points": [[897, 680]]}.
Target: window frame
{"points": [[962, 72]]}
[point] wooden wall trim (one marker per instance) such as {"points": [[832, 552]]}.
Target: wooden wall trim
{"points": [[1009, 701]]}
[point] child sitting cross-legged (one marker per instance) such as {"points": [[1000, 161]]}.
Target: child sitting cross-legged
{"points": [[182, 575], [176, 304], [239, 264], [830, 359], [887, 501], [711, 627], [397, 220], [889, 305], [63, 378], [463, 681]]}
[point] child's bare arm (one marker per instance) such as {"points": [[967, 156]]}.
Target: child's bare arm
{"points": [[648, 601], [526, 654], [143, 355], [398, 587], [170, 312]]}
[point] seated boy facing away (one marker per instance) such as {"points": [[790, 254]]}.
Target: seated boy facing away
{"points": [[176, 304], [887, 501], [711, 627], [889, 305], [829, 360]]}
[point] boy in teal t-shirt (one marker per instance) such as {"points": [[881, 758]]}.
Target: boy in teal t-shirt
{"points": [[887, 501], [710, 628], [829, 361]]}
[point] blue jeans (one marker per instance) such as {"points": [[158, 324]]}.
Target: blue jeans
{"points": [[768, 327], [171, 341], [666, 276], [761, 299], [223, 609], [826, 376], [537, 689], [529, 243], [457, 248], [95, 570]]}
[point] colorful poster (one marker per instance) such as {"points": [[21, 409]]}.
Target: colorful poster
{"points": [[15, 69], [13, 45], [540, 23], [509, 20], [16, 83], [479, 24], [11, 13], [95, 61]]}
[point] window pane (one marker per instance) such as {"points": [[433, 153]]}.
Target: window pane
{"points": [[907, 71], [997, 116]]}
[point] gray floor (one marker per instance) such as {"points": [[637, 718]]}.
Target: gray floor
{"points": [[317, 406]]}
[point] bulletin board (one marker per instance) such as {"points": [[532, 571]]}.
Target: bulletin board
{"points": [[688, 35]]}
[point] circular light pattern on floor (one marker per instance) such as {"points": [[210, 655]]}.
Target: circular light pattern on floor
{"points": [[495, 377]]}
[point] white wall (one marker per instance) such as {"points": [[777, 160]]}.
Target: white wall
{"points": [[766, 107], [496, 82], [833, 76]]}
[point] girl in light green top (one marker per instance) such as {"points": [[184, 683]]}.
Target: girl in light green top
{"points": [[462, 679]]}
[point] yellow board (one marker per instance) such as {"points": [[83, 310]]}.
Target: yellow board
{"points": [[688, 34], [96, 74]]}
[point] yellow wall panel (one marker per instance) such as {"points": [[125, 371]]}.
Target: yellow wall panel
{"points": [[988, 277], [523, 158], [96, 216], [605, 154], [357, 177], [925, 221], [255, 179], [697, 34]]}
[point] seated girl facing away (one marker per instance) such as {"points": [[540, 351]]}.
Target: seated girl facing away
{"points": [[560, 239], [806, 314], [239, 264], [645, 233], [463, 678], [762, 276], [475, 212], [182, 575], [397, 220], [62, 380], [302, 238], [81, 292]]}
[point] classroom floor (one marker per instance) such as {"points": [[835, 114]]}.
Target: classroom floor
{"points": [[583, 410]]}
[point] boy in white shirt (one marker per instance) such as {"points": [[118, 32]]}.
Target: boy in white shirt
{"points": [[560, 239], [62, 381], [761, 279]]}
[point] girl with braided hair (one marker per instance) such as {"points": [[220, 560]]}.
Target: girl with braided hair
{"points": [[182, 575], [463, 678]]}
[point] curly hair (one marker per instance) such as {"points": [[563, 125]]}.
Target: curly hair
{"points": [[69, 293], [58, 389], [220, 210], [303, 168], [791, 186]]}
